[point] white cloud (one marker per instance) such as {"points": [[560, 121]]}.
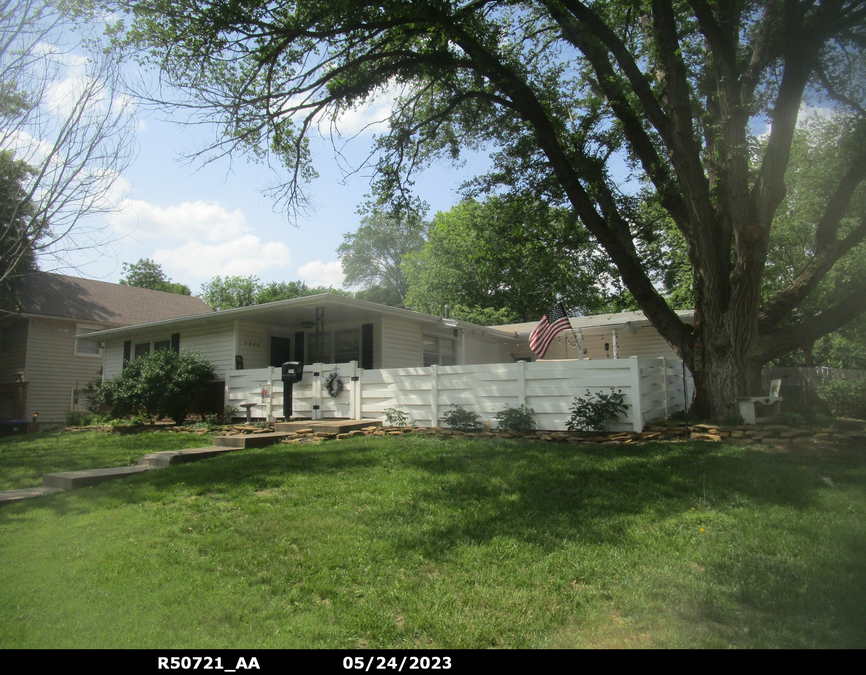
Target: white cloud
{"points": [[317, 273], [242, 256], [193, 221]]}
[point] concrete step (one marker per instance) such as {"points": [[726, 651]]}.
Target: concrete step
{"points": [[28, 493], [328, 426], [69, 480], [241, 441], [161, 460]]}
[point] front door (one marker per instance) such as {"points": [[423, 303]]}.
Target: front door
{"points": [[281, 350]]}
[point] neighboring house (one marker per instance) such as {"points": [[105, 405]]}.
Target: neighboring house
{"points": [[604, 336], [42, 366], [318, 328]]}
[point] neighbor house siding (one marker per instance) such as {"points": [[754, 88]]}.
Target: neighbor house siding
{"points": [[14, 340], [643, 342], [53, 370]]}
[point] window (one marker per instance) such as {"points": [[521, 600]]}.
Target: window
{"points": [[347, 346], [145, 348], [87, 347], [439, 351]]}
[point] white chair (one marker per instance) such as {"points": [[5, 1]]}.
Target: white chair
{"points": [[771, 403]]}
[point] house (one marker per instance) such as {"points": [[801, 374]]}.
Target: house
{"points": [[42, 366], [601, 336], [389, 356], [314, 329]]}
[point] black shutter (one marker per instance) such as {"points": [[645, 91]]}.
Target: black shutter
{"points": [[299, 347], [367, 346], [175, 342], [127, 352]]}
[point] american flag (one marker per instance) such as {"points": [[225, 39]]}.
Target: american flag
{"points": [[555, 321]]}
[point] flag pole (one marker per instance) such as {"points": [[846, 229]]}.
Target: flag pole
{"points": [[577, 340]]}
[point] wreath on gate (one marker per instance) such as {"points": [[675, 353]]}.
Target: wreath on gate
{"points": [[333, 383]]}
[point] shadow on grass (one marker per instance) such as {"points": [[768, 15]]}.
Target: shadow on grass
{"points": [[755, 589]]}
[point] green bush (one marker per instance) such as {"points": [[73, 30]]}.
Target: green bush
{"points": [[520, 419], [846, 398], [76, 418], [461, 419], [596, 411], [162, 384], [397, 417]]}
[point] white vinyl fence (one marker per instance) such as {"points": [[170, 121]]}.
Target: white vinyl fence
{"points": [[652, 388]]}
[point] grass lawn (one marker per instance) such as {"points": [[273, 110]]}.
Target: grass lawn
{"points": [[418, 542], [23, 459]]}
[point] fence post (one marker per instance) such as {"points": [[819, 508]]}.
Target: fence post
{"points": [[316, 392], [353, 390], [521, 382], [270, 407], [637, 406], [434, 395], [665, 382], [359, 401]]}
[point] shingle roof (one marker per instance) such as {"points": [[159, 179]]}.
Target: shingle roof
{"points": [[100, 301]]}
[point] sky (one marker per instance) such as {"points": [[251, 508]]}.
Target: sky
{"points": [[200, 220]]}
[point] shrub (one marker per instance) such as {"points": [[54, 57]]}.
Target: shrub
{"points": [[461, 419], [76, 418], [397, 417], [846, 398], [162, 384], [596, 411], [521, 419]]}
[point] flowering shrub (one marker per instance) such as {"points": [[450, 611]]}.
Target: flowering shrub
{"points": [[596, 411]]}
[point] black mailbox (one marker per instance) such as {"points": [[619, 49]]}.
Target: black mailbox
{"points": [[293, 371]]}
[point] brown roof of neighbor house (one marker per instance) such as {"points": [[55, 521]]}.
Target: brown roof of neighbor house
{"points": [[100, 301]]}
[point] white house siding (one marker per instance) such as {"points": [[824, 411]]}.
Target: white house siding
{"points": [[216, 344], [481, 349], [401, 343], [643, 342], [254, 343], [53, 370]]}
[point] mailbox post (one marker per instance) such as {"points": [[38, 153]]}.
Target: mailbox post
{"points": [[293, 371]]}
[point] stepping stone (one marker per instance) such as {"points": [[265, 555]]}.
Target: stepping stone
{"points": [[328, 426], [28, 493], [161, 460], [249, 441], [69, 480]]}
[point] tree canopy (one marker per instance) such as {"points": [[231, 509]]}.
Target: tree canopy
{"points": [[237, 291], [512, 257], [591, 106], [72, 128], [372, 256], [148, 274]]}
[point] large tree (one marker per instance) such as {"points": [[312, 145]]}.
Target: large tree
{"points": [[148, 274], [570, 95], [63, 116], [372, 256], [512, 256]]}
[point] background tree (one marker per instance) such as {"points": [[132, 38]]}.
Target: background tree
{"points": [[231, 292], [147, 274], [566, 92], [15, 211], [75, 145], [511, 257], [372, 256]]}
